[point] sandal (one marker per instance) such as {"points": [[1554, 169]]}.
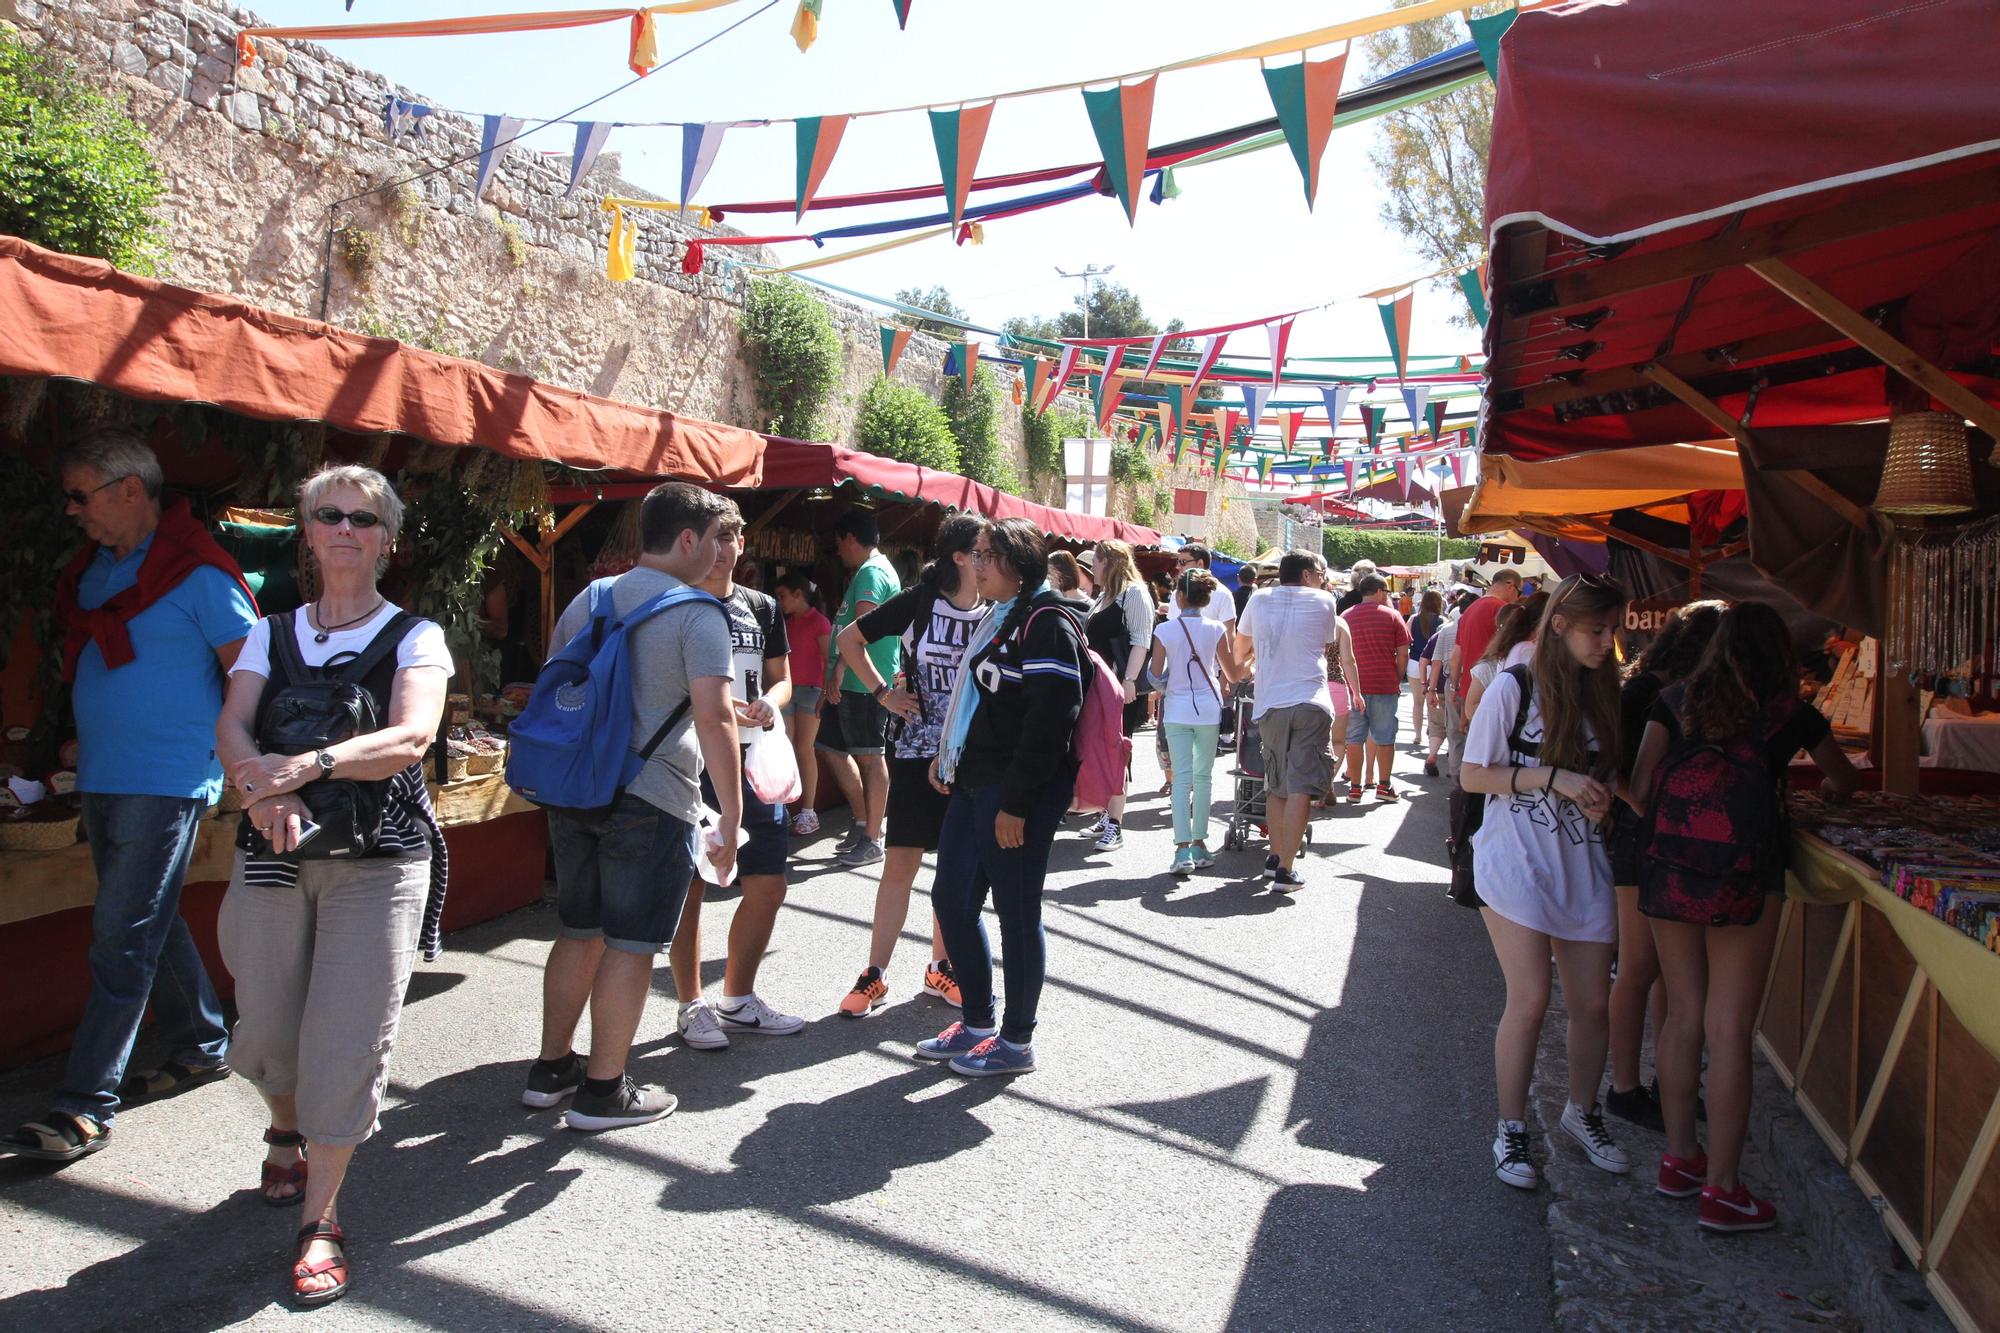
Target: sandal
{"points": [[276, 1176], [169, 1078], [63, 1137], [302, 1272]]}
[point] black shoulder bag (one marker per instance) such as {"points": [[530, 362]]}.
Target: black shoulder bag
{"points": [[307, 708], [1467, 811]]}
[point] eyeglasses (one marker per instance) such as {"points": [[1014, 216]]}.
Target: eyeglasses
{"points": [[361, 519], [80, 498], [984, 557]]}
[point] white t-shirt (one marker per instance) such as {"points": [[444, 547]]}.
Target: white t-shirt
{"points": [[1191, 644], [423, 644], [1221, 608], [1290, 626], [1536, 859]]}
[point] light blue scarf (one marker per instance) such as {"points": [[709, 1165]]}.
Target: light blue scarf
{"points": [[964, 693]]}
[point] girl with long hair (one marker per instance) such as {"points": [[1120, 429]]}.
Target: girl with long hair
{"points": [[1423, 625], [935, 617], [1667, 660], [1549, 763], [1004, 757], [1121, 620], [1715, 934], [1191, 655]]}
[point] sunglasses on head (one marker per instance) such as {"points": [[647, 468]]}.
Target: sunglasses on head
{"points": [[328, 516]]}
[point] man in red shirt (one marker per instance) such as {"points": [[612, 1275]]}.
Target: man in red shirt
{"points": [[1381, 655], [1475, 626]]}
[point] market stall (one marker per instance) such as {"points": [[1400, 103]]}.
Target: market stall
{"points": [[239, 404], [1822, 299]]}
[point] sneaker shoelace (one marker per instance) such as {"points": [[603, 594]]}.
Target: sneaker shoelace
{"points": [[984, 1048], [1593, 1125], [862, 986], [1517, 1146]]}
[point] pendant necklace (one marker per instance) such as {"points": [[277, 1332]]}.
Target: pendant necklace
{"points": [[322, 633]]}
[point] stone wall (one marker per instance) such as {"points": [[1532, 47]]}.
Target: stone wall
{"points": [[260, 162]]}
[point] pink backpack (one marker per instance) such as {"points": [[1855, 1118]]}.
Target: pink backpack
{"points": [[1102, 750]]}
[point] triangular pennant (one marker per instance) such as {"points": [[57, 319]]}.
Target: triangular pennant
{"points": [[1231, 419], [1336, 396], [1167, 431], [818, 137], [1457, 469], [1153, 355], [1280, 332], [1106, 392], [1165, 186], [1465, 365], [1396, 323], [1436, 413], [1305, 96], [805, 23], [1209, 353], [902, 12], [1347, 469], [1121, 118], [1486, 34], [1472, 282], [698, 145], [1414, 398], [950, 360], [1403, 476], [590, 137], [1264, 468], [959, 135], [1254, 398], [498, 132], [1288, 426], [1182, 396], [1372, 418], [1033, 368], [400, 118], [894, 340], [968, 364], [1067, 364]]}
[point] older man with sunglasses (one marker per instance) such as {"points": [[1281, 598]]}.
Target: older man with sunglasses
{"points": [[153, 613]]}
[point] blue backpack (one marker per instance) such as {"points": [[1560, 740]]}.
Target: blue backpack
{"points": [[571, 747]]}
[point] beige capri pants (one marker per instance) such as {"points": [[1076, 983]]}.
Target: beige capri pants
{"points": [[320, 972]]}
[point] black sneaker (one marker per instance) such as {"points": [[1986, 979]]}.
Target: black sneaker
{"points": [[1286, 881], [630, 1104], [1640, 1105], [1430, 769], [1271, 866], [549, 1081]]}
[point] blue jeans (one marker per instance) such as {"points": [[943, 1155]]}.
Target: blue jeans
{"points": [[139, 949], [1192, 749], [969, 863]]}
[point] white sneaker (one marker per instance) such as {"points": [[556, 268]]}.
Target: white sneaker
{"points": [[1111, 839], [1096, 828], [753, 1015], [1510, 1156], [699, 1027], [1587, 1128]]}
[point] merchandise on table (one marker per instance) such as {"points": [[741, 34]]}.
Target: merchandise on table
{"points": [[1940, 854]]}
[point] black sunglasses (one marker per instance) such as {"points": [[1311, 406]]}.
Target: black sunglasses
{"points": [[330, 517], [81, 498]]}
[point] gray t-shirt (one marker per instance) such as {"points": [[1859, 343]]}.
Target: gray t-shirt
{"points": [[665, 653]]}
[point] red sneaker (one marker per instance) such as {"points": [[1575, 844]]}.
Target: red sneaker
{"points": [[1683, 1177], [1738, 1211]]}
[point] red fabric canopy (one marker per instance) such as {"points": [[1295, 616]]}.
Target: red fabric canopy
{"points": [[1856, 143], [794, 464], [83, 319]]}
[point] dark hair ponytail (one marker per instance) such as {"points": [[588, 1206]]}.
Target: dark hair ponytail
{"points": [[958, 533]]}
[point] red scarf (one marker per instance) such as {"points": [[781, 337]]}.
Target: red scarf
{"points": [[180, 546]]}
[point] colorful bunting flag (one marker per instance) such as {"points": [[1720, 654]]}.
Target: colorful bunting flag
{"points": [[1372, 418], [1165, 186], [1231, 419], [1060, 379], [1414, 398], [1457, 469], [1396, 323], [1336, 396], [1305, 96], [1183, 398], [1486, 34], [698, 145], [1034, 376], [1436, 412], [1105, 392], [1472, 282], [959, 135], [1403, 476], [1209, 352], [968, 364], [1121, 117], [1280, 333], [1288, 426], [499, 129], [818, 137], [902, 13], [1153, 355], [400, 118], [805, 23], [1348, 469], [590, 137], [1254, 398], [894, 340]]}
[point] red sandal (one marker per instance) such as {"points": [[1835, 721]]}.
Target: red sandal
{"points": [[303, 1272], [293, 1175]]}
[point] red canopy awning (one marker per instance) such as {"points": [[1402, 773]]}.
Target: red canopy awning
{"points": [[83, 319], [1644, 152], [793, 464]]}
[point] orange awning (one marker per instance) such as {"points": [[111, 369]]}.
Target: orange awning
{"points": [[83, 319]]}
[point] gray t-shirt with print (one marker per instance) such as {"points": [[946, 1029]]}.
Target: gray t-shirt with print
{"points": [[664, 654]]}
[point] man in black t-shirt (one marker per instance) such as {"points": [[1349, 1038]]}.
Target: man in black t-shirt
{"points": [[760, 686]]}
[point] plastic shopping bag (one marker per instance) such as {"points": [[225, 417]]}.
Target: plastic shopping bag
{"points": [[771, 768]]}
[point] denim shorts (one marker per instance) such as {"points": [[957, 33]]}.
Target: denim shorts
{"points": [[622, 875], [1375, 720], [805, 699], [857, 725]]}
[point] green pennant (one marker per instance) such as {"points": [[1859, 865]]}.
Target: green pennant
{"points": [[1469, 282], [1435, 411], [1372, 418], [1120, 117], [1304, 96], [1486, 34]]}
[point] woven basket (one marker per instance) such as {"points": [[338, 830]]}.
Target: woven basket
{"points": [[40, 835], [1928, 469], [483, 761]]}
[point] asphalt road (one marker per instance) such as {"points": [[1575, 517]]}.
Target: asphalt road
{"points": [[1253, 1111]]}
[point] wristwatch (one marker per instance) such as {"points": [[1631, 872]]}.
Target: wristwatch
{"points": [[325, 762]]}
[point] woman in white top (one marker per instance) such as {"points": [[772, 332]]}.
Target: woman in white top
{"points": [[1121, 592], [1540, 864], [1192, 660]]}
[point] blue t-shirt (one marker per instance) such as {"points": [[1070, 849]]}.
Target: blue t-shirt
{"points": [[148, 728]]}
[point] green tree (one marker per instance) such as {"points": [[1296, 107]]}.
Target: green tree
{"points": [[937, 300], [1344, 546], [901, 422], [975, 424], [1115, 312], [1044, 433], [75, 172], [1432, 157], [796, 353]]}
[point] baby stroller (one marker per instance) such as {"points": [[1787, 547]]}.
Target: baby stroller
{"points": [[1246, 809]]}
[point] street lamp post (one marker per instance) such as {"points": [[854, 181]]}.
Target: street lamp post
{"points": [[1089, 271]]}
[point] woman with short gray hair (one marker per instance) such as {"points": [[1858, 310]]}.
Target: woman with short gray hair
{"points": [[322, 949]]}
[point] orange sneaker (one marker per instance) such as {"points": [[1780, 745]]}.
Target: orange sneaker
{"points": [[868, 995], [939, 981]]}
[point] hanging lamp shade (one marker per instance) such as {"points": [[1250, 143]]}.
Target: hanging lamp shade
{"points": [[1928, 469]]}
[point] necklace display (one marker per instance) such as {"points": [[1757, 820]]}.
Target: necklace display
{"points": [[322, 632]]}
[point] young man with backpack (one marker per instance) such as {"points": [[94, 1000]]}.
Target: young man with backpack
{"points": [[622, 872]]}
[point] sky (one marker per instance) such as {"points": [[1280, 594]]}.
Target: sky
{"points": [[1238, 244]]}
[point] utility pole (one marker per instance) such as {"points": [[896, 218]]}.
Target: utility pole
{"points": [[1089, 271]]}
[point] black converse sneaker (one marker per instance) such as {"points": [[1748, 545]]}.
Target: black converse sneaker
{"points": [[549, 1081], [627, 1104], [1510, 1156]]}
